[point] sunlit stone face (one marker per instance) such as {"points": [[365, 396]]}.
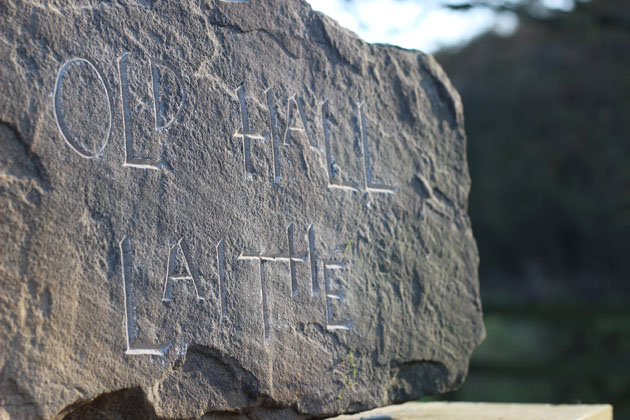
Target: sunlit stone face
{"points": [[232, 206]]}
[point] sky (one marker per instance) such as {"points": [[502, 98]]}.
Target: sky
{"points": [[420, 24]]}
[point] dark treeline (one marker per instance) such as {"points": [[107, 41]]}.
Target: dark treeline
{"points": [[548, 120]]}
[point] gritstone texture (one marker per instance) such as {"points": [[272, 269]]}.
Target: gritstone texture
{"points": [[225, 207]]}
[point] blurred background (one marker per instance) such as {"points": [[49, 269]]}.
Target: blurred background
{"points": [[546, 92]]}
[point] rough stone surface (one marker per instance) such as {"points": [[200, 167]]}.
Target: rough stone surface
{"points": [[225, 207]]}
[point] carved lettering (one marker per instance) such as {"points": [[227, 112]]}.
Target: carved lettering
{"points": [[313, 258], [296, 122], [245, 134], [296, 106], [370, 184], [178, 268], [277, 175], [292, 259], [158, 91], [71, 139], [131, 159], [263, 285], [265, 303], [221, 271], [130, 322], [263, 258], [331, 323], [334, 171]]}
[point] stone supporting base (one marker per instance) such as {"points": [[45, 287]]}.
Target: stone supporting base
{"points": [[485, 411]]}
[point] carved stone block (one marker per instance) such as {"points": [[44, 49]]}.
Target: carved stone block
{"points": [[225, 206]]}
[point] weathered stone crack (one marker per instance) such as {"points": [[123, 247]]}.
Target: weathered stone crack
{"points": [[40, 172]]}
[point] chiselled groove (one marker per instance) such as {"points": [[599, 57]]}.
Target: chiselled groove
{"points": [[263, 287], [125, 261], [130, 323], [157, 104], [370, 184], [275, 138], [343, 186], [331, 323], [297, 104], [294, 283], [265, 304], [247, 143], [146, 351], [331, 164], [313, 258], [290, 258], [58, 110], [334, 265], [172, 277], [130, 159], [247, 135], [253, 135], [251, 256], [221, 270], [329, 161]]}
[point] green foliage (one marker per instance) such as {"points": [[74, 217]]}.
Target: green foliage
{"points": [[548, 122], [350, 366]]}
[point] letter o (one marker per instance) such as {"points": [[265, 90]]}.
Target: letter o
{"points": [[72, 141]]}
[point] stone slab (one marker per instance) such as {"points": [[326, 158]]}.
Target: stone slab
{"points": [[484, 411], [225, 206]]}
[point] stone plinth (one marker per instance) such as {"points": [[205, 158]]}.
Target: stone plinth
{"points": [[484, 411]]}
